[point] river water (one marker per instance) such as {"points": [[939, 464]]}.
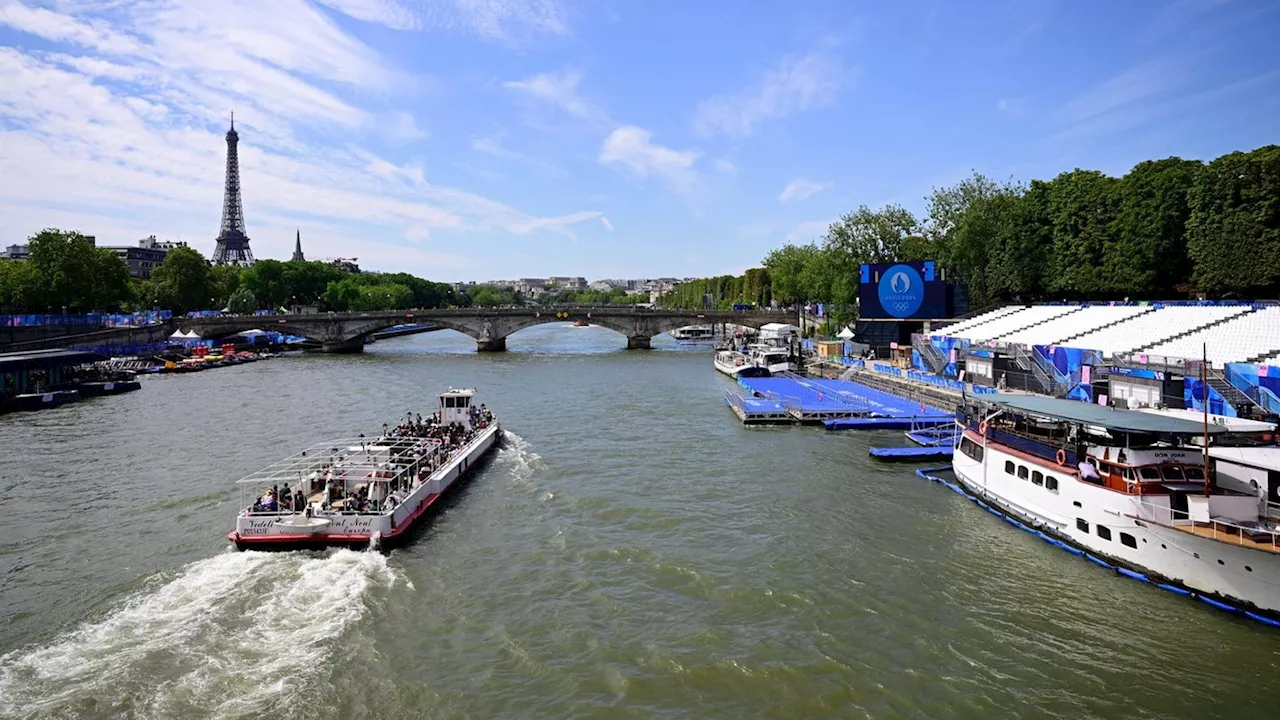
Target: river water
{"points": [[630, 552]]}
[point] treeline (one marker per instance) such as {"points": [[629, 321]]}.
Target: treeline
{"points": [[754, 286], [64, 272], [1168, 229]]}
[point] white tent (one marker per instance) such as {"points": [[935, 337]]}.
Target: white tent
{"points": [[179, 335], [845, 334]]}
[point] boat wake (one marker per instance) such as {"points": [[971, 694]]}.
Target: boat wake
{"points": [[236, 635], [517, 455]]}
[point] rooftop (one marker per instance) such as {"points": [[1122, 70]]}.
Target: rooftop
{"points": [[1110, 418], [45, 359]]}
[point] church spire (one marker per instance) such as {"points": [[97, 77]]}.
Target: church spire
{"points": [[297, 248]]}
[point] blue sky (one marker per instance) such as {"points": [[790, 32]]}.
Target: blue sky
{"points": [[487, 139]]}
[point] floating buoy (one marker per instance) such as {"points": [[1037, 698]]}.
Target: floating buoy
{"points": [[1062, 457]]}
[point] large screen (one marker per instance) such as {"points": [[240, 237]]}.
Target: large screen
{"points": [[902, 291]]}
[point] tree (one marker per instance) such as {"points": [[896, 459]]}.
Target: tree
{"points": [[181, 283], [21, 287], [1233, 233], [975, 229], [242, 302], [1081, 209], [786, 267], [1147, 252], [224, 280], [871, 236], [76, 275]]}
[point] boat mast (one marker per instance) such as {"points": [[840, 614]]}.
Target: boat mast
{"points": [[1204, 383]]}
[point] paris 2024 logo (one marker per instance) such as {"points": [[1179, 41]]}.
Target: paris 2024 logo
{"points": [[901, 291]]}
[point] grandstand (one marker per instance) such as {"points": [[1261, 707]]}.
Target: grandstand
{"points": [[1011, 322], [1251, 337], [1233, 333]]}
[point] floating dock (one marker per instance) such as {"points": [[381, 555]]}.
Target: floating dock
{"points": [[911, 454], [756, 410], [818, 400]]}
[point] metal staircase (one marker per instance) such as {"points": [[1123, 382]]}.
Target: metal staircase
{"points": [[932, 357]]}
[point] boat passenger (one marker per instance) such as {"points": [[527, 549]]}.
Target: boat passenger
{"points": [[1088, 472]]}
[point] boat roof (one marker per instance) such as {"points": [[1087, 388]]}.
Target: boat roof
{"points": [[1232, 424], [1098, 415], [45, 359], [1264, 458], [300, 465], [458, 392]]}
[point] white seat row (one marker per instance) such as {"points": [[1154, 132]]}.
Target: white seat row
{"points": [[1014, 321], [963, 325], [1238, 340], [1058, 330], [1150, 329]]}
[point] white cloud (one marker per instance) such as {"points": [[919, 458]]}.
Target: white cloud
{"points": [[808, 231], [799, 190], [119, 132], [607, 225], [390, 13], [725, 166], [559, 89], [630, 146], [797, 84]]}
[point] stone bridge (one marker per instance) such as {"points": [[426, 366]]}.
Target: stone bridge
{"points": [[346, 332]]}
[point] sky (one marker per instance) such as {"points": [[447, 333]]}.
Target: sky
{"points": [[495, 139]]}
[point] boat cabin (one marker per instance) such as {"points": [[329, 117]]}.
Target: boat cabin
{"points": [[456, 407]]}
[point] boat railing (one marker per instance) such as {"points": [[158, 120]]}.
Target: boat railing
{"points": [[1220, 529]]}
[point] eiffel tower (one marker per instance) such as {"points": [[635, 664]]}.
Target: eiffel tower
{"points": [[233, 243]]}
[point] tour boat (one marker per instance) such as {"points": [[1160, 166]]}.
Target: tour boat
{"points": [[775, 359], [366, 491], [1131, 489], [693, 334], [737, 364]]}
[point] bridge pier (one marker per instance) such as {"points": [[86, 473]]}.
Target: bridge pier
{"points": [[639, 342], [492, 345], [349, 346]]}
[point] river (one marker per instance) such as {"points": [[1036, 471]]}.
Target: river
{"points": [[631, 552]]}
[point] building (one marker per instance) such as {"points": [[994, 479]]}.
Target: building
{"points": [[17, 252], [146, 257], [568, 283], [347, 265], [297, 249], [233, 241]]}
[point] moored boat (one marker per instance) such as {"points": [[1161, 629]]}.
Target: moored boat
{"points": [[738, 364], [1130, 488], [360, 492], [693, 335]]}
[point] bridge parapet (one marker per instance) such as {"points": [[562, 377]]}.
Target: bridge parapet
{"points": [[490, 327]]}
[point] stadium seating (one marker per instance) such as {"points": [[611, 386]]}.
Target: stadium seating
{"points": [[1246, 338], [1058, 330], [1011, 322], [1153, 328], [964, 325]]}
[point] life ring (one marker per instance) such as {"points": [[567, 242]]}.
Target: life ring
{"points": [[1062, 457], [982, 427]]}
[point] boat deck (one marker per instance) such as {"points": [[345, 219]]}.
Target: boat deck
{"points": [[1265, 540]]}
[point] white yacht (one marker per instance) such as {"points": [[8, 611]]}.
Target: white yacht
{"points": [[1131, 489], [693, 334], [774, 359], [735, 363]]}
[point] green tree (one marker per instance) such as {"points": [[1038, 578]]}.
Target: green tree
{"points": [[181, 283], [871, 236], [1147, 252], [224, 280], [1081, 210], [787, 266], [21, 287], [341, 295], [1233, 234], [75, 274], [242, 302], [975, 228]]}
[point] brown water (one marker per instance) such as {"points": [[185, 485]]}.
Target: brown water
{"points": [[631, 551]]}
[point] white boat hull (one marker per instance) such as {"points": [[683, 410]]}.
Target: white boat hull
{"points": [[1236, 574]]}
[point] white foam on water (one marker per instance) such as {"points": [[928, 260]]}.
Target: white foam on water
{"points": [[517, 455], [235, 635]]}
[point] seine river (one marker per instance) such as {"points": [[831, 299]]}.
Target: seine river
{"points": [[631, 552]]}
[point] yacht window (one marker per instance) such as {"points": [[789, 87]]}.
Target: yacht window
{"points": [[1173, 472], [1104, 532], [1022, 472], [1128, 474], [1082, 525], [1051, 483], [1150, 473], [972, 449], [1008, 466], [1194, 473], [1128, 540], [1037, 478]]}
